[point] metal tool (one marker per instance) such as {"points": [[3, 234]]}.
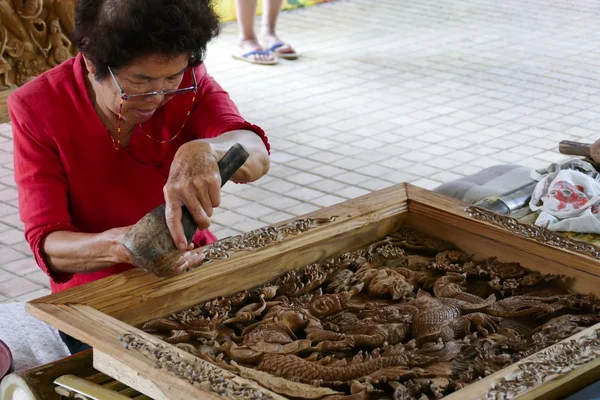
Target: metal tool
{"points": [[149, 241], [510, 201]]}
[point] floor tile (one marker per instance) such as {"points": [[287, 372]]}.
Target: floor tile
{"points": [[17, 286], [501, 83], [21, 267]]}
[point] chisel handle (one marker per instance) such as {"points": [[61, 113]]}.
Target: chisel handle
{"points": [[575, 148], [149, 241]]}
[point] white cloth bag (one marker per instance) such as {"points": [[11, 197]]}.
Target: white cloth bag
{"points": [[568, 197], [32, 342]]}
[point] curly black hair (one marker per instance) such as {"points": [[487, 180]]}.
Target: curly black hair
{"points": [[116, 33]]}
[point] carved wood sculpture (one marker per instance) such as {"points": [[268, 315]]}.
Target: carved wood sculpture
{"points": [[34, 37], [366, 319], [312, 298]]}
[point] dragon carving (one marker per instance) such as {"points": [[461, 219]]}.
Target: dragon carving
{"points": [[407, 317]]}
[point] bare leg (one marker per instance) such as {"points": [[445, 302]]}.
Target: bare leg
{"points": [[246, 11], [271, 10]]}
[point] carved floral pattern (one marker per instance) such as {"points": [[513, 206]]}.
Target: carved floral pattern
{"points": [[262, 237], [546, 365], [199, 373], [534, 232]]}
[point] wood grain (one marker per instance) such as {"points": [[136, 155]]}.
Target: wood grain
{"points": [[483, 247], [129, 367], [82, 386], [117, 368], [137, 296], [552, 389], [4, 116], [567, 384], [40, 379], [575, 148], [99, 312], [438, 215]]}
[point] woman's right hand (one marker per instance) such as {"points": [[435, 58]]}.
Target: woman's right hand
{"points": [[170, 264], [80, 253], [122, 255], [187, 259]]}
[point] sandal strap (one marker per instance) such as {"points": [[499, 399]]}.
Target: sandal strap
{"points": [[256, 52], [276, 46]]}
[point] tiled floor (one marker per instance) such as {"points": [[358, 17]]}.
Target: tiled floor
{"points": [[385, 92]]}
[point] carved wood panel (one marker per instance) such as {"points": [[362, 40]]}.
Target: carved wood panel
{"points": [[34, 37]]}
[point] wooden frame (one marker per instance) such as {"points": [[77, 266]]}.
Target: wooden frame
{"points": [[105, 313], [4, 115], [73, 374]]}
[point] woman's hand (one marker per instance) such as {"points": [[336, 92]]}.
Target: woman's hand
{"points": [[182, 261], [76, 252], [194, 181], [171, 264]]}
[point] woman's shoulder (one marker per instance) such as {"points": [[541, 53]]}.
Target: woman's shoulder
{"points": [[207, 84], [48, 90], [200, 71]]}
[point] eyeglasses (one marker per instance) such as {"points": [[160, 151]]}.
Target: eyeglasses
{"points": [[163, 92]]}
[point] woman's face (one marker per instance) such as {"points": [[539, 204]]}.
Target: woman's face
{"points": [[152, 73]]}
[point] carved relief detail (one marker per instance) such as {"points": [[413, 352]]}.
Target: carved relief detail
{"points": [[534, 232], [262, 237], [199, 373], [34, 38], [546, 365]]}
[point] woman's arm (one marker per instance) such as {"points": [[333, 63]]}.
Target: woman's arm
{"points": [[194, 179], [57, 245], [257, 163], [217, 124], [80, 253], [75, 252]]}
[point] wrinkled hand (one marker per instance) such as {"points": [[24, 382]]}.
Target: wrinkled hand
{"points": [[179, 261], [194, 181], [170, 264]]}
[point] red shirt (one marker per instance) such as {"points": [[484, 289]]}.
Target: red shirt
{"points": [[69, 175]]}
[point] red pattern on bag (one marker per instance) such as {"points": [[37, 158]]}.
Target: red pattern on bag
{"points": [[566, 194]]}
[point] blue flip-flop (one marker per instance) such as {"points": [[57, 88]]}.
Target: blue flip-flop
{"points": [[247, 57], [287, 56]]}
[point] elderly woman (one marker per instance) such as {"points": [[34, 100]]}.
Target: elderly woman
{"points": [[130, 123]]}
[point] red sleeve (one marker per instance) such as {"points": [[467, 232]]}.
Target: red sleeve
{"points": [[41, 183], [215, 113]]}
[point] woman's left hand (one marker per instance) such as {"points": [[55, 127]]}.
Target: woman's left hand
{"points": [[194, 181], [191, 258]]}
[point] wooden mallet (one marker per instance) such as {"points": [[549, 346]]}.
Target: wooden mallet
{"points": [[581, 149], [149, 241]]}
